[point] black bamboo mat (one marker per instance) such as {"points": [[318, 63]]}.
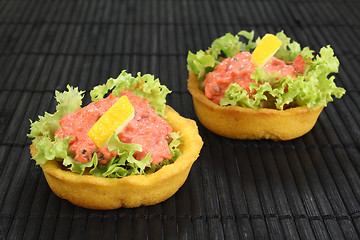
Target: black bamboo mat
{"points": [[307, 188]]}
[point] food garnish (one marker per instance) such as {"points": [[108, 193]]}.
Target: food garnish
{"points": [[113, 120], [266, 49]]}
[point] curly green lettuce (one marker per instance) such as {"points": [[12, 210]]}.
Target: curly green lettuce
{"points": [[145, 86], [314, 88], [51, 147]]}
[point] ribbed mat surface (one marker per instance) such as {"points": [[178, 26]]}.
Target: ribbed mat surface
{"points": [[307, 188]]}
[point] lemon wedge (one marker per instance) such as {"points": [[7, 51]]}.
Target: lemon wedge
{"points": [[265, 49], [113, 120]]}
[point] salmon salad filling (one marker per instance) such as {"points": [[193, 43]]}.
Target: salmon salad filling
{"points": [[145, 144], [292, 77]]}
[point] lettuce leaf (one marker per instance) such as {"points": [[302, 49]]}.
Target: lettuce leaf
{"points": [[125, 81], [228, 44], [316, 87], [154, 92], [43, 131], [288, 51], [174, 145], [79, 167], [126, 151], [68, 102], [145, 86], [124, 164], [200, 64], [49, 150]]}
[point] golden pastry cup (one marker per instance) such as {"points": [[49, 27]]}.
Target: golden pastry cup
{"points": [[132, 191], [245, 123]]}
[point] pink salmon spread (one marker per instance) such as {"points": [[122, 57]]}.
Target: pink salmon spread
{"points": [[238, 69], [146, 128]]}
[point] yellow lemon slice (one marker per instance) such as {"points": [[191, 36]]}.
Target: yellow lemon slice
{"points": [[265, 49], [113, 120]]}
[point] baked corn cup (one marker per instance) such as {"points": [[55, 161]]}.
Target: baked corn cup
{"points": [[93, 192], [245, 123]]}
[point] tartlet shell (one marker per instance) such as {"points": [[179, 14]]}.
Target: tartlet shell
{"points": [[244, 123], [132, 191]]}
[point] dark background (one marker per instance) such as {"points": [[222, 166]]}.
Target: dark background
{"points": [[306, 188]]}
